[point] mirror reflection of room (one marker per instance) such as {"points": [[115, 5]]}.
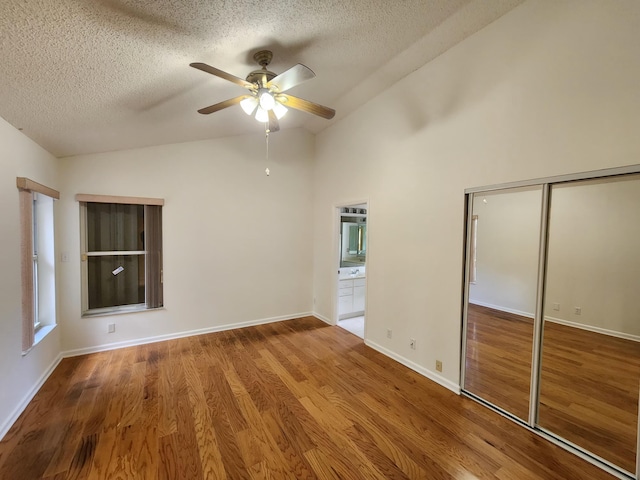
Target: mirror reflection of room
{"points": [[353, 245], [590, 367], [505, 231]]}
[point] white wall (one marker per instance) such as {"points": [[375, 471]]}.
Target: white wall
{"points": [[19, 375], [594, 256], [508, 239], [237, 243], [550, 88]]}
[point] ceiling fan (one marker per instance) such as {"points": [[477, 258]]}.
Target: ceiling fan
{"points": [[265, 99]]}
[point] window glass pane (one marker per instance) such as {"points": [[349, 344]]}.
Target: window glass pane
{"points": [[116, 280], [115, 227]]}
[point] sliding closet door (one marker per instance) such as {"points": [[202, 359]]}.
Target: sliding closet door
{"points": [[503, 250], [590, 363]]}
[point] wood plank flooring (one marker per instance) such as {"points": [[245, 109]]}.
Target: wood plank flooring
{"points": [[289, 400], [589, 381]]}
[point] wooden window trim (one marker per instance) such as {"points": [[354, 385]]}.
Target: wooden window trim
{"points": [[27, 188], [29, 185], [87, 197]]}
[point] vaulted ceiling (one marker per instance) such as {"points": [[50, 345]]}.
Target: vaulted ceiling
{"points": [[81, 77]]}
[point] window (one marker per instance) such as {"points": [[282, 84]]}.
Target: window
{"points": [[121, 253], [37, 259]]}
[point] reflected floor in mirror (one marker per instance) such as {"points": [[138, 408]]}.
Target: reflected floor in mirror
{"points": [[589, 381], [498, 358], [589, 391]]}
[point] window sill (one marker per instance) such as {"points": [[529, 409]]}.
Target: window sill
{"points": [[105, 312], [39, 335]]}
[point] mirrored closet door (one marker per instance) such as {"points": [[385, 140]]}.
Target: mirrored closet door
{"points": [[590, 362], [551, 318], [502, 296]]}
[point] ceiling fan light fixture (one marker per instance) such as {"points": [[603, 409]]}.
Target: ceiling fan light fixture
{"points": [[262, 115], [249, 105], [280, 110], [267, 102]]}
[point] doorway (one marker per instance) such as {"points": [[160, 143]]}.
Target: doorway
{"points": [[352, 279]]}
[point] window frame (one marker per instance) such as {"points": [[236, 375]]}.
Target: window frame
{"points": [[84, 199], [29, 259]]}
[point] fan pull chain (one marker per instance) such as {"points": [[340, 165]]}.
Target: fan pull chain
{"points": [[266, 137]]}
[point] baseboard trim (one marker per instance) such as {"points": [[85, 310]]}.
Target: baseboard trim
{"points": [[439, 379], [11, 419], [323, 318], [590, 328], [503, 309], [188, 333]]}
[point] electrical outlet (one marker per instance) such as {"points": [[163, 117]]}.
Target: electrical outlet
{"points": [[412, 343], [438, 365], [389, 333], [556, 307], [112, 327], [577, 310]]}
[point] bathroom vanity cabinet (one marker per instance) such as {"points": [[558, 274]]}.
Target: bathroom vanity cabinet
{"points": [[351, 297]]}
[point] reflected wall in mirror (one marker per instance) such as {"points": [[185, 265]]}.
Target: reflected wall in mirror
{"points": [[590, 365], [504, 249], [353, 245]]}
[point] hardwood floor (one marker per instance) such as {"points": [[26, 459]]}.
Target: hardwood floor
{"points": [[296, 399], [589, 381]]}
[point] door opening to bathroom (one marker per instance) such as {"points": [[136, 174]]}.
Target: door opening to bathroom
{"points": [[352, 279]]}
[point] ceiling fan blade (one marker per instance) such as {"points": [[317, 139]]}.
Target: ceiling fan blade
{"points": [[219, 73], [221, 105], [274, 125], [290, 78], [306, 106]]}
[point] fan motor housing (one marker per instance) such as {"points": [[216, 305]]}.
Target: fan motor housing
{"points": [[257, 76]]}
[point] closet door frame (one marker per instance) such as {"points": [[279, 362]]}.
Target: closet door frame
{"points": [[538, 327]]}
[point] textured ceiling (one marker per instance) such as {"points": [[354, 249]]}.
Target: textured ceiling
{"points": [[83, 76]]}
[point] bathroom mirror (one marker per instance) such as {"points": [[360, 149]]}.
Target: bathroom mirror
{"points": [[590, 364], [503, 263], [353, 245]]}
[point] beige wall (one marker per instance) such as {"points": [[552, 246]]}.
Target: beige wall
{"points": [[237, 243], [508, 238], [19, 375], [594, 254], [548, 89]]}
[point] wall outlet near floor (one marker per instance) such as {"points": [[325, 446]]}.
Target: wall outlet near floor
{"points": [[389, 333], [111, 327], [438, 365], [577, 310], [556, 307], [412, 343]]}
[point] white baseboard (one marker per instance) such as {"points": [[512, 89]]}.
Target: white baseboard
{"points": [[323, 318], [188, 333], [590, 328], [439, 379], [503, 309], [11, 419]]}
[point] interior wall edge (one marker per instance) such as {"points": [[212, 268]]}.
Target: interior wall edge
{"points": [[589, 328], [439, 379], [183, 334], [502, 309], [323, 318]]}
